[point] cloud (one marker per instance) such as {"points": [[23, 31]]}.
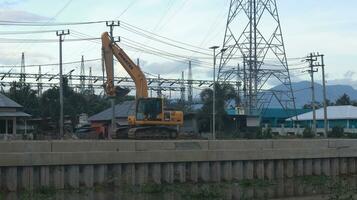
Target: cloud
{"points": [[8, 3], [349, 74], [14, 58], [20, 15], [165, 68], [343, 81]]}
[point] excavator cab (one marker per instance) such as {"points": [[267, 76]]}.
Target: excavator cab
{"points": [[149, 109]]}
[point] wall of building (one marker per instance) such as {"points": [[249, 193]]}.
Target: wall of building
{"points": [[72, 164]]}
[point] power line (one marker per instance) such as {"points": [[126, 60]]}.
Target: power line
{"points": [[50, 64], [29, 23], [26, 32], [148, 33], [27, 40]]}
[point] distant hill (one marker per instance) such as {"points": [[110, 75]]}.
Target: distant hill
{"points": [[303, 95]]}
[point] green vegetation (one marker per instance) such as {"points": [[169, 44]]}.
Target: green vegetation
{"points": [[47, 105], [256, 183], [43, 193], [337, 132], [314, 180], [223, 92], [339, 188], [205, 191], [307, 133]]}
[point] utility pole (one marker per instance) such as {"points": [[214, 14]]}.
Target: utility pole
{"points": [[111, 25], [60, 34], [183, 88], [39, 84], [317, 60], [245, 85], [159, 92], [324, 94], [90, 82], [214, 94], [23, 72], [311, 59], [82, 76], [190, 90]]}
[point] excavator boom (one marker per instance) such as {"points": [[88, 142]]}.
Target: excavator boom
{"points": [[109, 49]]}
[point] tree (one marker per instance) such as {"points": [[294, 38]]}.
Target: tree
{"points": [[223, 92], [343, 100], [25, 96], [318, 105]]}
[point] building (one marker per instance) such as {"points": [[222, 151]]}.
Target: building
{"points": [[338, 116], [276, 117], [12, 120], [101, 122]]}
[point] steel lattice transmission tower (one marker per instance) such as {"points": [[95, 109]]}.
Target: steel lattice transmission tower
{"points": [[254, 51]]}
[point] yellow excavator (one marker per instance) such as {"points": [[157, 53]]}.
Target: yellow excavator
{"points": [[151, 120]]}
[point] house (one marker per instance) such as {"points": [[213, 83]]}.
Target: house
{"points": [[341, 116], [12, 119], [101, 122]]}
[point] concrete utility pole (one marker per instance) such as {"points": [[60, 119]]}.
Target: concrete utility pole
{"points": [[312, 70], [23, 76], [324, 94], [189, 87], [111, 25], [183, 88], [214, 94], [61, 34], [39, 82], [314, 59]]}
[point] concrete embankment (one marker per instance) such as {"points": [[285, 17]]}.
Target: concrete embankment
{"points": [[72, 164]]}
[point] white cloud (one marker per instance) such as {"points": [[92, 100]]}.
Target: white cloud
{"points": [[20, 15], [7, 3]]}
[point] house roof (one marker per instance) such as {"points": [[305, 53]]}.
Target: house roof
{"points": [[333, 113], [281, 113], [14, 114], [122, 110], [6, 102]]}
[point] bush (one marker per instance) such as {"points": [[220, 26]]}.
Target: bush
{"points": [[337, 132], [351, 135], [307, 133]]}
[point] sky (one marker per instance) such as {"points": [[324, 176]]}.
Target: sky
{"points": [[308, 26]]}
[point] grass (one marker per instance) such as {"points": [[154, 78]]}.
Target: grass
{"points": [[336, 189], [314, 180], [205, 191], [43, 193], [256, 183]]}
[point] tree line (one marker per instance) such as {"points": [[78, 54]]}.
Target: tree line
{"points": [[47, 105], [341, 101]]}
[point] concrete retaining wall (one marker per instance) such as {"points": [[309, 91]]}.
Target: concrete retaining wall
{"points": [[71, 164]]}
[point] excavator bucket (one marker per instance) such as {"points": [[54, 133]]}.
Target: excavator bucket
{"points": [[121, 92]]}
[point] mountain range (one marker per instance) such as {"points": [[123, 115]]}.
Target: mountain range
{"points": [[302, 92]]}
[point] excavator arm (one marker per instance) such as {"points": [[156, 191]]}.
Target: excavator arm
{"points": [[109, 49]]}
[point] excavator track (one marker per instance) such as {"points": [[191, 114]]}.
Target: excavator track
{"points": [[152, 132]]}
